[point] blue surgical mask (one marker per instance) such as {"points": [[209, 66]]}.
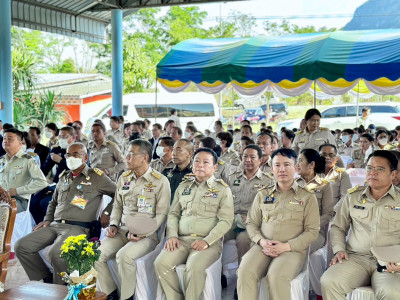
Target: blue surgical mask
{"points": [[345, 139], [355, 137]]}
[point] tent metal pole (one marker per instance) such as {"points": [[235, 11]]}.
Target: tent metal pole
{"points": [[358, 93], [156, 107], [233, 113], [315, 94]]}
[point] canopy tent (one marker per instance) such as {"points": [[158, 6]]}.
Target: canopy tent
{"points": [[289, 65]]}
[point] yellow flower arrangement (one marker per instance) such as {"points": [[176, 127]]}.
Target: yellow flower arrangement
{"points": [[79, 253]]}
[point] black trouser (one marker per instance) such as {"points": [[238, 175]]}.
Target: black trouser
{"points": [[39, 203]]}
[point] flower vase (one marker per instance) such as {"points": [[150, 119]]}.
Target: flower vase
{"points": [[89, 292]]}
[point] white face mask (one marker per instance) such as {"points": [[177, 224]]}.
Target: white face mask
{"points": [[383, 141], [186, 134], [373, 131], [63, 143], [23, 148], [215, 128], [160, 151], [48, 134], [355, 137], [74, 163], [336, 136], [345, 139], [218, 142]]}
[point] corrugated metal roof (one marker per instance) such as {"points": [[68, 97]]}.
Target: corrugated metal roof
{"points": [[85, 19]]}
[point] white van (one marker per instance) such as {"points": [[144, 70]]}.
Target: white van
{"points": [[200, 108]]}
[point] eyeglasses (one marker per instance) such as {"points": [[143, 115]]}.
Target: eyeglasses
{"points": [[75, 154], [131, 154], [377, 169], [331, 155]]}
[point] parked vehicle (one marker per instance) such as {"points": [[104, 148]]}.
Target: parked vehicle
{"points": [[276, 108], [344, 116], [200, 108]]}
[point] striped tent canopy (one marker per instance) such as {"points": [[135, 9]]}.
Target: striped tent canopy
{"points": [[289, 65]]}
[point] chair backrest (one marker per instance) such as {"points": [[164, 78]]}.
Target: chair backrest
{"points": [[8, 211]]}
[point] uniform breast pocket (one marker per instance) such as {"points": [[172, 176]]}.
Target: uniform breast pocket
{"points": [[267, 210], [15, 173], [186, 205], [360, 218], [294, 213], [391, 221], [208, 207], [320, 142]]}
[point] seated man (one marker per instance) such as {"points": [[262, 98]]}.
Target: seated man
{"points": [[200, 215], [20, 175], [282, 222], [143, 192], [372, 215], [75, 203]]}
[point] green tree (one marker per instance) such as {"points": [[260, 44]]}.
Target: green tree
{"points": [[67, 66], [244, 24]]}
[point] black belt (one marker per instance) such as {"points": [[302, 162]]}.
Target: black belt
{"points": [[82, 224]]}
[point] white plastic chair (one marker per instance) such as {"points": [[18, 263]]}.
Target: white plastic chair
{"points": [[146, 278], [300, 286], [230, 261], [361, 293], [24, 224], [212, 287]]}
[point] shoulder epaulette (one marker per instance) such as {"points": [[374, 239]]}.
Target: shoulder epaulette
{"points": [[98, 171], [156, 174], [189, 175], [340, 170], [26, 155], [221, 162], [299, 132], [270, 175], [323, 128], [222, 182], [127, 173], [32, 154], [355, 188], [62, 173], [111, 143]]}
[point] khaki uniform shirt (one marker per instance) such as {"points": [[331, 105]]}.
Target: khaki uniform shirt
{"points": [[201, 210], [107, 156], [347, 151], [78, 199], [228, 155], [245, 190], [291, 216], [267, 167], [323, 192], [117, 134], [146, 134], [304, 139], [21, 172], [158, 165], [146, 196], [359, 158], [386, 147], [84, 140], [340, 183], [372, 223]]}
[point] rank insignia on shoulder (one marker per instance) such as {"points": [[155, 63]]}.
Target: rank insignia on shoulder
{"points": [[340, 170], [299, 132], [62, 174], [33, 154], [323, 128], [111, 143], [156, 174], [127, 173], [353, 189], [221, 162], [98, 171], [270, 175], [222, 182]]}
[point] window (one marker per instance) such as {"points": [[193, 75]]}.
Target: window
{"points": [[184, 110], [384, 109], [334, 112]]}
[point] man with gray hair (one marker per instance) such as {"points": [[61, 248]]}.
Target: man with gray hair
{"points": [[141, 192], [72, 211]]}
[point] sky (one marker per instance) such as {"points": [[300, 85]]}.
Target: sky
{"points": [[265, 9]]}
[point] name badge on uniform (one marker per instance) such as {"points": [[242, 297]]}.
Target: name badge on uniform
{"points": [[236, 182], [141, 201], [186, 191], [359, 207], [78, 201]]}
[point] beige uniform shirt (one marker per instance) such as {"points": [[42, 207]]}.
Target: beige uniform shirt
{"points": [[84, 140], [79, 199], [323, 192], [372, 223], [291, 216], [201, 210], [228, 155], [340, 183], [146, 196], [304, 139], [347, 151], [107, 156], [267, 167], [146, 134], [21, 172], [359, 158], [117, 134], [245, 190], [158, 164]]}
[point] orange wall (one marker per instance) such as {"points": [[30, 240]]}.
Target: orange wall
{"points": [[96, 98], [73, 111]]}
